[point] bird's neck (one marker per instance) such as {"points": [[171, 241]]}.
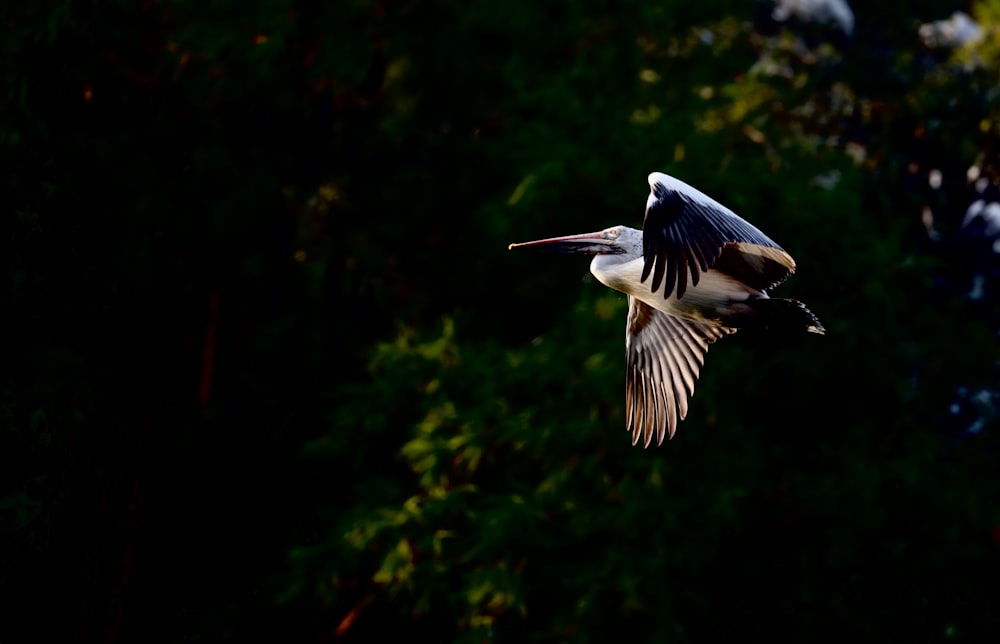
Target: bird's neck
{"points": [[617, 271]]}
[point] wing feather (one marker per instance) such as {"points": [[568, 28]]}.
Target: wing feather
{"points": [[685, 232], [664, 355]]}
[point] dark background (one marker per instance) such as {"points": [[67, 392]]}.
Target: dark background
{"points": [[269, 370]]}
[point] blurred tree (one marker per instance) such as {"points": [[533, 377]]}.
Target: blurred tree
{"points": [[271, 372]]}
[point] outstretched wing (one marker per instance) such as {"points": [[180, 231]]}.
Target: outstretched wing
{"points": [[685, 232], [664, 355]]}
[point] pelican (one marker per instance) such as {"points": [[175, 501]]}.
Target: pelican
{"points": [[695, 273]]}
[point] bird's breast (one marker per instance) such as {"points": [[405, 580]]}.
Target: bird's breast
{"points": [[716, 297]]}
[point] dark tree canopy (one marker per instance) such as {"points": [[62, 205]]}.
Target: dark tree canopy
{"points": [[270, 370]]}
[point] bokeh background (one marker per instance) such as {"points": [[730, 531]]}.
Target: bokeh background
{"points": [[270, 370]]}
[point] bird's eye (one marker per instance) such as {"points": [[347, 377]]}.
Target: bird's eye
{"points": [[613, 232]]}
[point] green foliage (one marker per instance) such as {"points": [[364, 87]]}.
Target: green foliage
{"points": [[273, 367]]}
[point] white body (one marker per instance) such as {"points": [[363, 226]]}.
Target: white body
{"points": [[716, 298]]}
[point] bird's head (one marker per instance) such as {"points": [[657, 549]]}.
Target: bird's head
{"points": [[616, 240]]}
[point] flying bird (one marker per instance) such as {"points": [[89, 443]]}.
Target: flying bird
{"points": [[695, 273]]}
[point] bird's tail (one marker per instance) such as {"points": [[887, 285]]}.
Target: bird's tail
{"points": [[779, 313]]}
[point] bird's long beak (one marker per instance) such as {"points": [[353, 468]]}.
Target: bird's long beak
{"points": [[589, 243]]}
